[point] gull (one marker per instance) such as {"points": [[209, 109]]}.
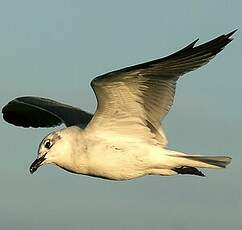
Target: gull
{"points": [[124, 139]]}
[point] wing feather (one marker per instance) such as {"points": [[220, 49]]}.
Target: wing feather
{"points": [[132, 101], [42, 112]]}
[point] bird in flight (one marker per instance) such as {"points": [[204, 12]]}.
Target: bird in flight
{"points": [[124, 139]]}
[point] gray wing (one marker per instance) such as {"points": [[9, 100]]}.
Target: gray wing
{"points": [[41, 112], [132, 101]]}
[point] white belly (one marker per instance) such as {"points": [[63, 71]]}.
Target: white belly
{"points": [[116, 166], [123, 162]]}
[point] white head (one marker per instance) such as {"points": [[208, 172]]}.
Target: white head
{"points": [[55, 148]]}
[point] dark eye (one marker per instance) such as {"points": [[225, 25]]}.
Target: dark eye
{"points": [[48, 144]]}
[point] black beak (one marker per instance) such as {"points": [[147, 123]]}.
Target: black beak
{"points": [[36, 164]]}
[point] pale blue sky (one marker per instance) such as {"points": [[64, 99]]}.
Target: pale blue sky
{"points": [[54, 48]]}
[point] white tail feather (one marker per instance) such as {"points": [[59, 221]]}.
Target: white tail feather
{"points": [[202, 161]]}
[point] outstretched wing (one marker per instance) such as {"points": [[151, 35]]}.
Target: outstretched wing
{"points": [[41, 112], [132, 101]]}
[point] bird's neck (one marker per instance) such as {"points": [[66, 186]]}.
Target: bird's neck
{"points": [[75, 160]]}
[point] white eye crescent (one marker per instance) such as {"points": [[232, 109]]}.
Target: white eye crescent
{"points": [[48, 144]]}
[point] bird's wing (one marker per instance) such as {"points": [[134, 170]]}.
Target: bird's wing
{"points": [[41, 112], [133, 100]]}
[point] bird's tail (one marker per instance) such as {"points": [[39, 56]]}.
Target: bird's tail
{"points": [[188, 164]]}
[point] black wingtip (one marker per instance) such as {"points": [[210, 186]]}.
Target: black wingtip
{"points": [[191, 45], [228, 36], [231, 33]]}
